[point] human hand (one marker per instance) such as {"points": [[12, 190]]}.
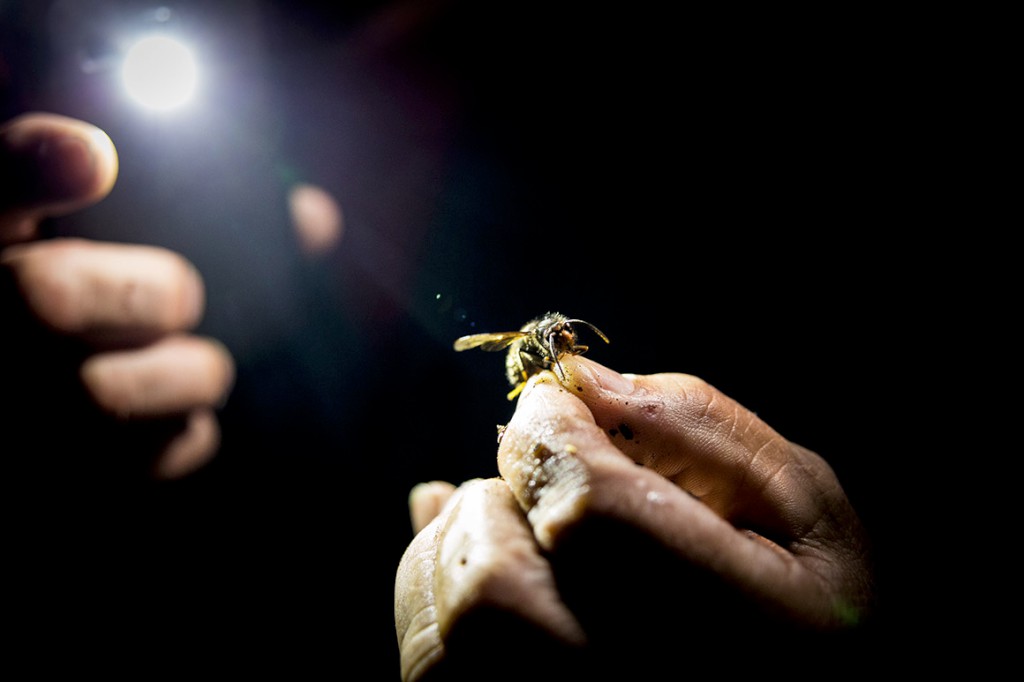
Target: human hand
{"points": [[100, 368], [640, 523]]}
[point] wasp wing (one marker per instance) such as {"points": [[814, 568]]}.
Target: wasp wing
{"points": [[488, 341]]}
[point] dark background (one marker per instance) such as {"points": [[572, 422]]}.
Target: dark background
{"points": [[730, 194]]}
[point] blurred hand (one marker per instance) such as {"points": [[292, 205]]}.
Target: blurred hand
{"points": [[641, 525], [101, 372]]}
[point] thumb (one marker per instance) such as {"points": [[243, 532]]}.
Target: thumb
{"points": [[709, 445], [50, 165]]}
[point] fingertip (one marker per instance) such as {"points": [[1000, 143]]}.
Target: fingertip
{"points": [[83, 161], [193, 295], [108, 163], [541, 378], [53, 164], [426, 500], [224, 362], [191, 449], [317, 218], [582, 374]]}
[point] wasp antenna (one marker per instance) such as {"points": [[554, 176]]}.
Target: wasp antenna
{"points": [[593, 328]]}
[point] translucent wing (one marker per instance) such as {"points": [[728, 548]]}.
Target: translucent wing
{"points": [[488, 341]]}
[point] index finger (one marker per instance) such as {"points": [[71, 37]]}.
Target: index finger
{"points": [[711, 446]]}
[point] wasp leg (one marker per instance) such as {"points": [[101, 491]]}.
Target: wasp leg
{"points": [[512, 396]]}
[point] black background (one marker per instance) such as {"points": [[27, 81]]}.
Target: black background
{"points": [[732, 194]]}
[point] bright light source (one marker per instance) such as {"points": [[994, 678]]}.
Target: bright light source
{"points": [[160, 73]]}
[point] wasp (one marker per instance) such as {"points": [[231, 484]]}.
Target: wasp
{"points": [[536, 346]]}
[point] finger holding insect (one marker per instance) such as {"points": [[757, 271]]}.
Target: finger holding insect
{"points": [[709, 445], [570, 478], [562, 466]]}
